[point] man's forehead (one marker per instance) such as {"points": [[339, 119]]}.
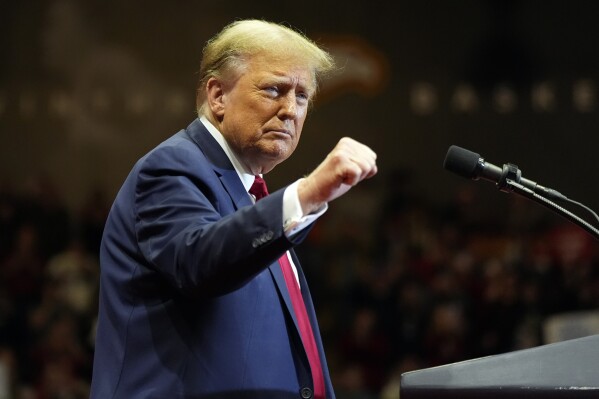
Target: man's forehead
{"points": [[280, 69]]}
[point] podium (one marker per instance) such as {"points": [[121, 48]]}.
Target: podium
{"points": [[568, 369]]}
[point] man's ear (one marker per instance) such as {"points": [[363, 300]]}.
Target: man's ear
{"points": [[215, 93]]}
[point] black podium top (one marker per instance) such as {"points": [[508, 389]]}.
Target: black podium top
{"points": [[568, 369]]}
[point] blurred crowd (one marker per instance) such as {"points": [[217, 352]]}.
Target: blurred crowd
{"points": [[48, 291], [400, 283]]}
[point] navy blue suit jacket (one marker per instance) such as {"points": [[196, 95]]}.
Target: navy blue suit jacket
{"points": [[193, 303]]}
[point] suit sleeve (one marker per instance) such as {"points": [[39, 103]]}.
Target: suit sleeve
{"points": [[188, 230]]}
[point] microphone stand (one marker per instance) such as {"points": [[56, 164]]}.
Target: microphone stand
{"points": [[513, 186]]}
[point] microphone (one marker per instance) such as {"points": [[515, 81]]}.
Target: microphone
{"points": [[471, 165]]}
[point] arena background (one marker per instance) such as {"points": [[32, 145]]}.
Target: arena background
{"points": [[86, 88]]}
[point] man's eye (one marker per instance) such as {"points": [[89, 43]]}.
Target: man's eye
{"points": [[273, 90], [303, 96]]}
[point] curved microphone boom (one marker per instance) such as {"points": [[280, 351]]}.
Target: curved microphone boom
{"points": [[509, 179], [471, 165]]}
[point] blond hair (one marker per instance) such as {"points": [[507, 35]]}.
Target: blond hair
{"points": [[229, 50]]}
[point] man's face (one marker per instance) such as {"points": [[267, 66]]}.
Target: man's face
{"points": [[264, 110]]}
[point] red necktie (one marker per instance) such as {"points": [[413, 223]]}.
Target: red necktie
{"points": [[259, 191]]}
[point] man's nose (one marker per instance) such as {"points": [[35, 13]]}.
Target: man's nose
{"points": [[288, 108]]}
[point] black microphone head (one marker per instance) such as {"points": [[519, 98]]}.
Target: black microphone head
{"points": [[462, 162]]}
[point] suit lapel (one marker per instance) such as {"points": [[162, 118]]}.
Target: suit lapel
{"points": [[279, 279], [307, 298], [277, 274], [221, 163], [231, 183]]}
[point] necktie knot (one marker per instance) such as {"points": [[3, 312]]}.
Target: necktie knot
{"points": [[259, 189]]}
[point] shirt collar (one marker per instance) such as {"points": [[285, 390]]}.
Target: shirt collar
{"points": [[247, 179]]}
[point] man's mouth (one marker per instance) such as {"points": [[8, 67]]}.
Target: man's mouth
{"points": [[282, 132]]}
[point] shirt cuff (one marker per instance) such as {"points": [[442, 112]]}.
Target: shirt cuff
{"points": [[294, 219]]}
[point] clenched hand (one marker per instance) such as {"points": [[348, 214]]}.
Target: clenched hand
{"points": [[349, 163]]}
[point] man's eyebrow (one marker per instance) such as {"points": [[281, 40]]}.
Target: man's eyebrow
{"points": [[281, 79]]}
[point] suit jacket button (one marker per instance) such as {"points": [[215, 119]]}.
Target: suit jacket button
{"points": [[306, 393]]}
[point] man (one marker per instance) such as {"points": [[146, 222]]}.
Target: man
{"points": [[200, 295]]}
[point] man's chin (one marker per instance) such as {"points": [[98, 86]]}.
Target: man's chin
{"points": [[270, 157]]}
